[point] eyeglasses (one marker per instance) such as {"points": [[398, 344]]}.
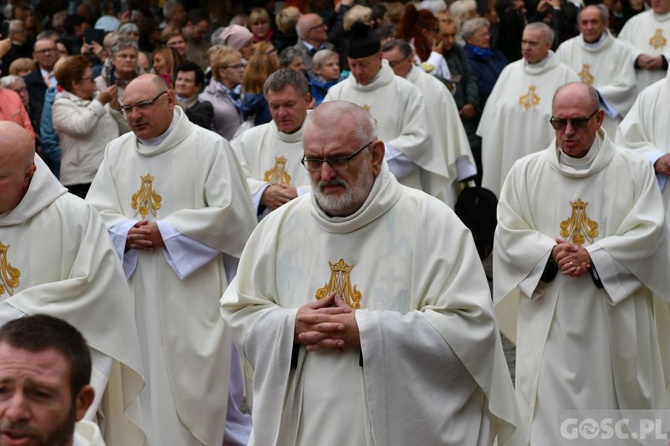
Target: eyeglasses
{"points": [[238, 66], [395, 63], [338, 163], [320, 25], [140, 106], [46, 51], [576, 123], [21, 90], [87, 78]]}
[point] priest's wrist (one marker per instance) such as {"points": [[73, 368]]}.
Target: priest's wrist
{"points": [[550, 269]]}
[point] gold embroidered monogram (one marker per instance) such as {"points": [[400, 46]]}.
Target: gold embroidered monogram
{"points": [[530, 99], [278, 174], [9, 276], [657, 40], [579, 227], [340, 284], [145, 200], [585, 75]]}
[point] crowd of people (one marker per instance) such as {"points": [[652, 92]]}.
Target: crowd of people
{"points": [[246, 213]]}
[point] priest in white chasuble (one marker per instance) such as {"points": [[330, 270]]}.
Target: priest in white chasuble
{"points": [[398, 108], [174, 199], [362, 310], [604, 62], [56, 259], [443, 122], [515, 119], [580, 274], [648, 37], [646, 130], [270, 154]]}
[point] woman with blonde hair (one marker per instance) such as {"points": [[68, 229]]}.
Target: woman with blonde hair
{"points": [[259, 68], [224, 90], [259, 24], [165, 60], [22, 66]]}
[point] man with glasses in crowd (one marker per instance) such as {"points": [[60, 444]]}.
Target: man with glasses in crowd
{"points": [[45, 55], [312, 37], [174, 199], [580, 269], [336, 304]]}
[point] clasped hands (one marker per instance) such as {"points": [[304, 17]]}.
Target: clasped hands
{"points": [[572, 259], [145, 236], [327, 324]]}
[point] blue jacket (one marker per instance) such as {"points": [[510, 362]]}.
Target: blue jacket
{"points": [[487, 66], [50, 142]]}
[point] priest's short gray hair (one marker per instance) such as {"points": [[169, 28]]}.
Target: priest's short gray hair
{"points": [[329, 114], [286, 77], [547, 32]]}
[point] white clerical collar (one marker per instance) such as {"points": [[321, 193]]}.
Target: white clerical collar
{"points": [[541, 64], [582, 163], [598, 43], [159, 139]]}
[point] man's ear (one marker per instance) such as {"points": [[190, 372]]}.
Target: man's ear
{"points": [[84, 401], [377, 150]]}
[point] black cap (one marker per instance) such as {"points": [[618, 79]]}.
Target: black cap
{"points": [[363, 42]]}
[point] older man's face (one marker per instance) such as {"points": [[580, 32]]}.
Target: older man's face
{"points": [[45, 53], [340, 192], [365, 69], [575, 120], [591, 24], [288, 108], [148, 119]]}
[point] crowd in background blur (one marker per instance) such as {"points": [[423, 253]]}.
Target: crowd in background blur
{"points": [[237, 45]]}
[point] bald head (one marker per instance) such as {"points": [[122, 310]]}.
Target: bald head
{"points": [[311, 29], [147, 82], [17, 153], [17, 142], [584, 94]]}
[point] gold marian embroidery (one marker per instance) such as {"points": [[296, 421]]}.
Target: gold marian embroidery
{"points": [[585, 75], [9, 276], [340, 284], [145, 200], [579, 226], [657, 40], [530, 99], [278, 174]]}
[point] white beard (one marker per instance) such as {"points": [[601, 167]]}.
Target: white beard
{"points": [[348, 202]]}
